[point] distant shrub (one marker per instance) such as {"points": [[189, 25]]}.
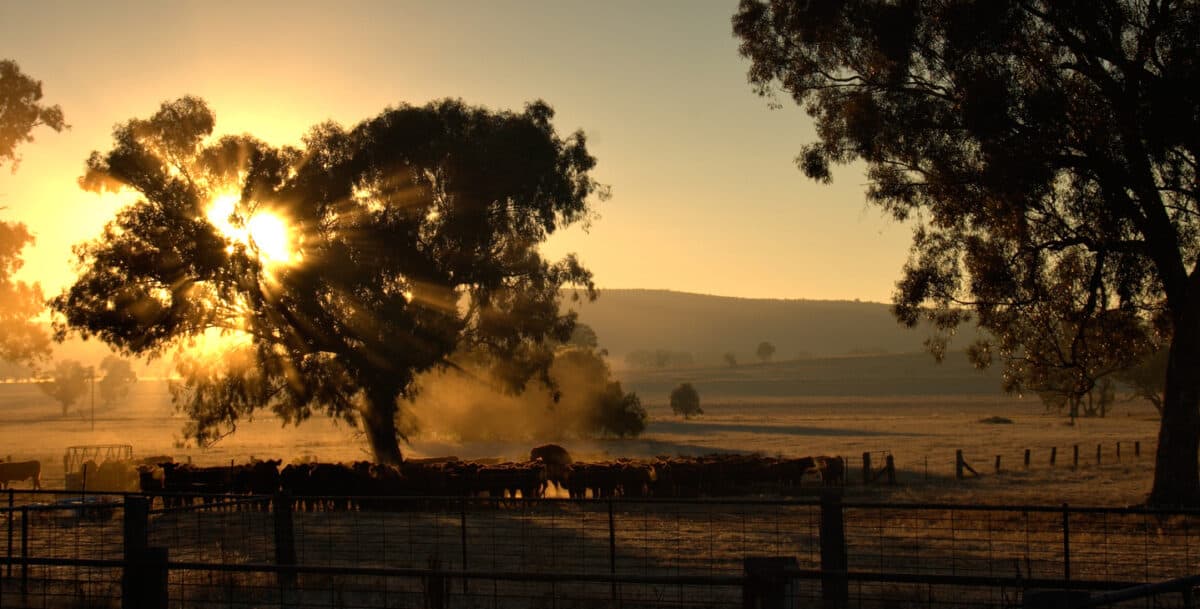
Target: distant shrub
{"points": [[997, 421]]}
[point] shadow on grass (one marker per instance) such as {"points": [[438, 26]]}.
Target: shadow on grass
{"points": [[702, 427]]}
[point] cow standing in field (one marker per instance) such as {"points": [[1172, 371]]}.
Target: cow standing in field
{"points": [[557, 461], [832, 470], [21, 470]]}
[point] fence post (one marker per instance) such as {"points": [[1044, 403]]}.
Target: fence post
{"points": [[1053, 455], [24, 553], [1026, 458], [866, 468], [1118, 452], [890, 466], [1075, 459], [462, 526], [835, 587], [1098, 454], [10, 532], [136, 539], [1137, 448], [148, 577], [285, 539], [961, 464], [1066, 527], [612, 551], [997, 464], [766, 581], [435, 585]]}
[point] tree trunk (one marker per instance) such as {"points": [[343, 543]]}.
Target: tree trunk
{"points": [[1176, 470], [379, 422]]}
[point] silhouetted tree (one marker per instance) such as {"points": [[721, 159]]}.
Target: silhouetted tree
{"points": [[685, 401], [1017, 136], [68, 383], [20, 112], [20, 340], [730, 359], [618, 413], [118, 379], [764, 351], [583, 336], [413, 236], [606, 408], [1145, 379], [1064, 356]]}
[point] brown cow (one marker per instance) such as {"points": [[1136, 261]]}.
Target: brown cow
{"points": [[557, 461], [21, 470], [832, 470]]}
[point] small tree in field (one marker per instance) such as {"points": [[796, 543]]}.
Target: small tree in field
{"points": [[765, 351], [118, 379], [730, 359], [686, 401], [69, 384]]}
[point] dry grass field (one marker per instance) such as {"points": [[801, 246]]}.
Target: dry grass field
{"points": [[755, 409], [846, 410]]}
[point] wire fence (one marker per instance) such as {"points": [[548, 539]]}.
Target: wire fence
{"points": [[244, 551]]}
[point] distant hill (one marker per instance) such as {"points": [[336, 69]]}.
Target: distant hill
{"points": [[709, 326]]}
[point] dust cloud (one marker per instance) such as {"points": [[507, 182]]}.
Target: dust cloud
{"points": [[456, 406]]}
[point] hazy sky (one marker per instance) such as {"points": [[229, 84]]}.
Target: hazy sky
{"points": [[706, 197]]}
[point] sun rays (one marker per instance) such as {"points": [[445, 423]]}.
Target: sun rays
{"points": [[266, 234]]}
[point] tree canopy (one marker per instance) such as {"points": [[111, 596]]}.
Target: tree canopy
{"points": [[20, 340], [21, 112], [765, 351], [685, 401], [68, 383], [119, 378], [1045, 151], [342, 268]]}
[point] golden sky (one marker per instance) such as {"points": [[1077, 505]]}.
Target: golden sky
{"points": [[706, 197]]}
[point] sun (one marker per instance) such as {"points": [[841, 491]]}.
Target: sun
{"points": [[269, 235], [265, 233]]}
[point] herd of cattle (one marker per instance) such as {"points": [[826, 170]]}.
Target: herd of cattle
{"points": [[360, 485]]}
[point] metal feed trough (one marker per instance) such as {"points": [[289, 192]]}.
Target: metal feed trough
{"points": [[77, 456]]}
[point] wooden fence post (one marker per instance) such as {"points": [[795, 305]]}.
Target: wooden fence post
{"points": [[10, 531], [1097, 454], [960, 464], [612, 551], [890, 466], [1118, 452], [1137, 448], [835, 587], [997, 464], [1027, 458], [1066, 527], [462, 527], [24, 554], [766, 581], [1053, 455], [285, 539], [144, 579], [867, 474], [1075, 458]]}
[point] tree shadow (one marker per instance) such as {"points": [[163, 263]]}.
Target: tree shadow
{"points": [[706, 428]]}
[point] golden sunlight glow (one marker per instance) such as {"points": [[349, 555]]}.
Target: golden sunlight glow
{"points": [[265, 233], [269, 234]]}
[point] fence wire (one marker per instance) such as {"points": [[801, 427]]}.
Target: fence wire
{"points": [[651, 553]]}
